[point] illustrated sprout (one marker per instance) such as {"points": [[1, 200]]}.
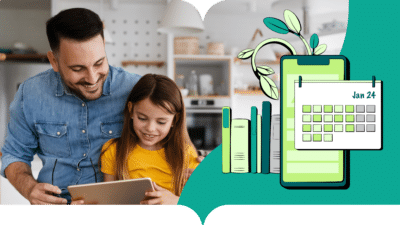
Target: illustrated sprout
{"points": [[293, 26]]}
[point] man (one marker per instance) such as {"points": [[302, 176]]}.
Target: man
{"points": [[65, 114]]}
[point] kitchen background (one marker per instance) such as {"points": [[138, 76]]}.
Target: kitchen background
{"points": [[135, 44]]}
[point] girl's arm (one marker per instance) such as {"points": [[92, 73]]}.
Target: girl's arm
{"points": [[160, 196], [108, 177]]}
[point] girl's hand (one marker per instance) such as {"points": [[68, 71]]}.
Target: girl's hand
{"points": [[160, 196]]}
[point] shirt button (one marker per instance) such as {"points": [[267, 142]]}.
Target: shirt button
{"points": [[78, 169], [58, 133], [110, 132], [84, 155], [83, 104], [83, 131]]}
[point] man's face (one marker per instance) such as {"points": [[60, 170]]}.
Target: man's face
{"points": [[83, 66]]}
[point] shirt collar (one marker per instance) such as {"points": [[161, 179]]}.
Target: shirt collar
{"points": [[62, 88]]}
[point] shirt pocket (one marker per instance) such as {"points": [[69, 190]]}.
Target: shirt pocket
{"points": [[53, 139], [111, 129]]}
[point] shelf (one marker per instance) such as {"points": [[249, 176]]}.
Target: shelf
{"points": [[27, 57], [249, 92], [238, 61], [143, 63], [203, 57], [207, 96]]}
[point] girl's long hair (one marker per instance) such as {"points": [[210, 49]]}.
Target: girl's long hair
{"points": [[163, 92]]}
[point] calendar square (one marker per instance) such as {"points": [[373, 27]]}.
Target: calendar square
{"points": [[370, 118], [360, 127], [306, 137], [349, 128], [338, 128], [349, 118], [360, 108], [370, 108], [317, 108], [317, 118], [338, 118], [317, 128], [307, 128], [349, 108], [328, 127], [306, 108], [338, 108], [328, 108], [360, 118], [317, 137], [328, 137], [306, 118], [328, 118]]}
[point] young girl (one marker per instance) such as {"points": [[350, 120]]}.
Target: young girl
{"points": [[154, 141]]}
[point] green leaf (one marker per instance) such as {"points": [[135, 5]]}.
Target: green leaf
{"points": [[265, 70], [314, 40], [276, 25], [269, 87], [245, 54], [320, 49], [292, 21]]}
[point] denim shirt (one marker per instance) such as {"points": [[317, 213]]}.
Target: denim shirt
{"points": [[66, 132]]}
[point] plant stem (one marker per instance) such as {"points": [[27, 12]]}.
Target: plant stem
{"points": [[279, 41], [306, 44]]}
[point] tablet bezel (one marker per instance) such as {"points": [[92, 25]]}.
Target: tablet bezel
{"points": [[112, 192]]}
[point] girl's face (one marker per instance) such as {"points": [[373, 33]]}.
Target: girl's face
{"points": [[151, 123]]}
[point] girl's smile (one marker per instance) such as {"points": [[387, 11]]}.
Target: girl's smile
{"points": [[151, 123]]}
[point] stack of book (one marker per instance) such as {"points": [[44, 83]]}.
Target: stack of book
{"points": [[246, 144]]}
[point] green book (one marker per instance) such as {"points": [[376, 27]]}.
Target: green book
{"points": [[259, 139], [240, 146], [253, 153], [226, 139]]}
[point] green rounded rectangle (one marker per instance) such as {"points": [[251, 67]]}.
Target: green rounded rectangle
{"points": [[349, 128], [328, 108], [338, 118], [349, 118], [317, 137], [306, 108], [328, 128], [349, 108], [317, 118], [307, 128]]}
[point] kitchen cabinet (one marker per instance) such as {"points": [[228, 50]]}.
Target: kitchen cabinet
{"points": [[217, 68]]}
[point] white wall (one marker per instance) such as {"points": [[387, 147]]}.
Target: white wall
{"points": [[26, 26]]}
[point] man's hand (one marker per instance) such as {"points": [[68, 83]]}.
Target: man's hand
{"points": [[188, 172], [160, 196], [42, 193]]}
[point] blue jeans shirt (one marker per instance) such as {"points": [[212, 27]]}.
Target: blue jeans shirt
{"points": [[48, 120]]}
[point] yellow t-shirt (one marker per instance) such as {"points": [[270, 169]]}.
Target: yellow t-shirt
{"points": [[145, 163]]}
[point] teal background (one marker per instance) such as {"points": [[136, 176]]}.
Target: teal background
{"points": [[371, 45], [372, 48]]}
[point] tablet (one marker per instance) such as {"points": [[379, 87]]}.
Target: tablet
{"points": [[309, 168], [112, 192]]}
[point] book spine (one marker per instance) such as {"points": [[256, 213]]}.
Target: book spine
{"points": [[265, 132], [240, 146], [259, 142], [253, 152], [226, 139]]}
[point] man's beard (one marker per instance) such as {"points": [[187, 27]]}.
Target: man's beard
{"points": [[86, 95]]}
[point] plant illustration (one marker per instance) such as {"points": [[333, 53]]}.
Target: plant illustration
{"points": [[293, 26]]}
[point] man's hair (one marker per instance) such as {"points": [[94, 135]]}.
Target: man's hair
{"points": [[77, 24]]}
